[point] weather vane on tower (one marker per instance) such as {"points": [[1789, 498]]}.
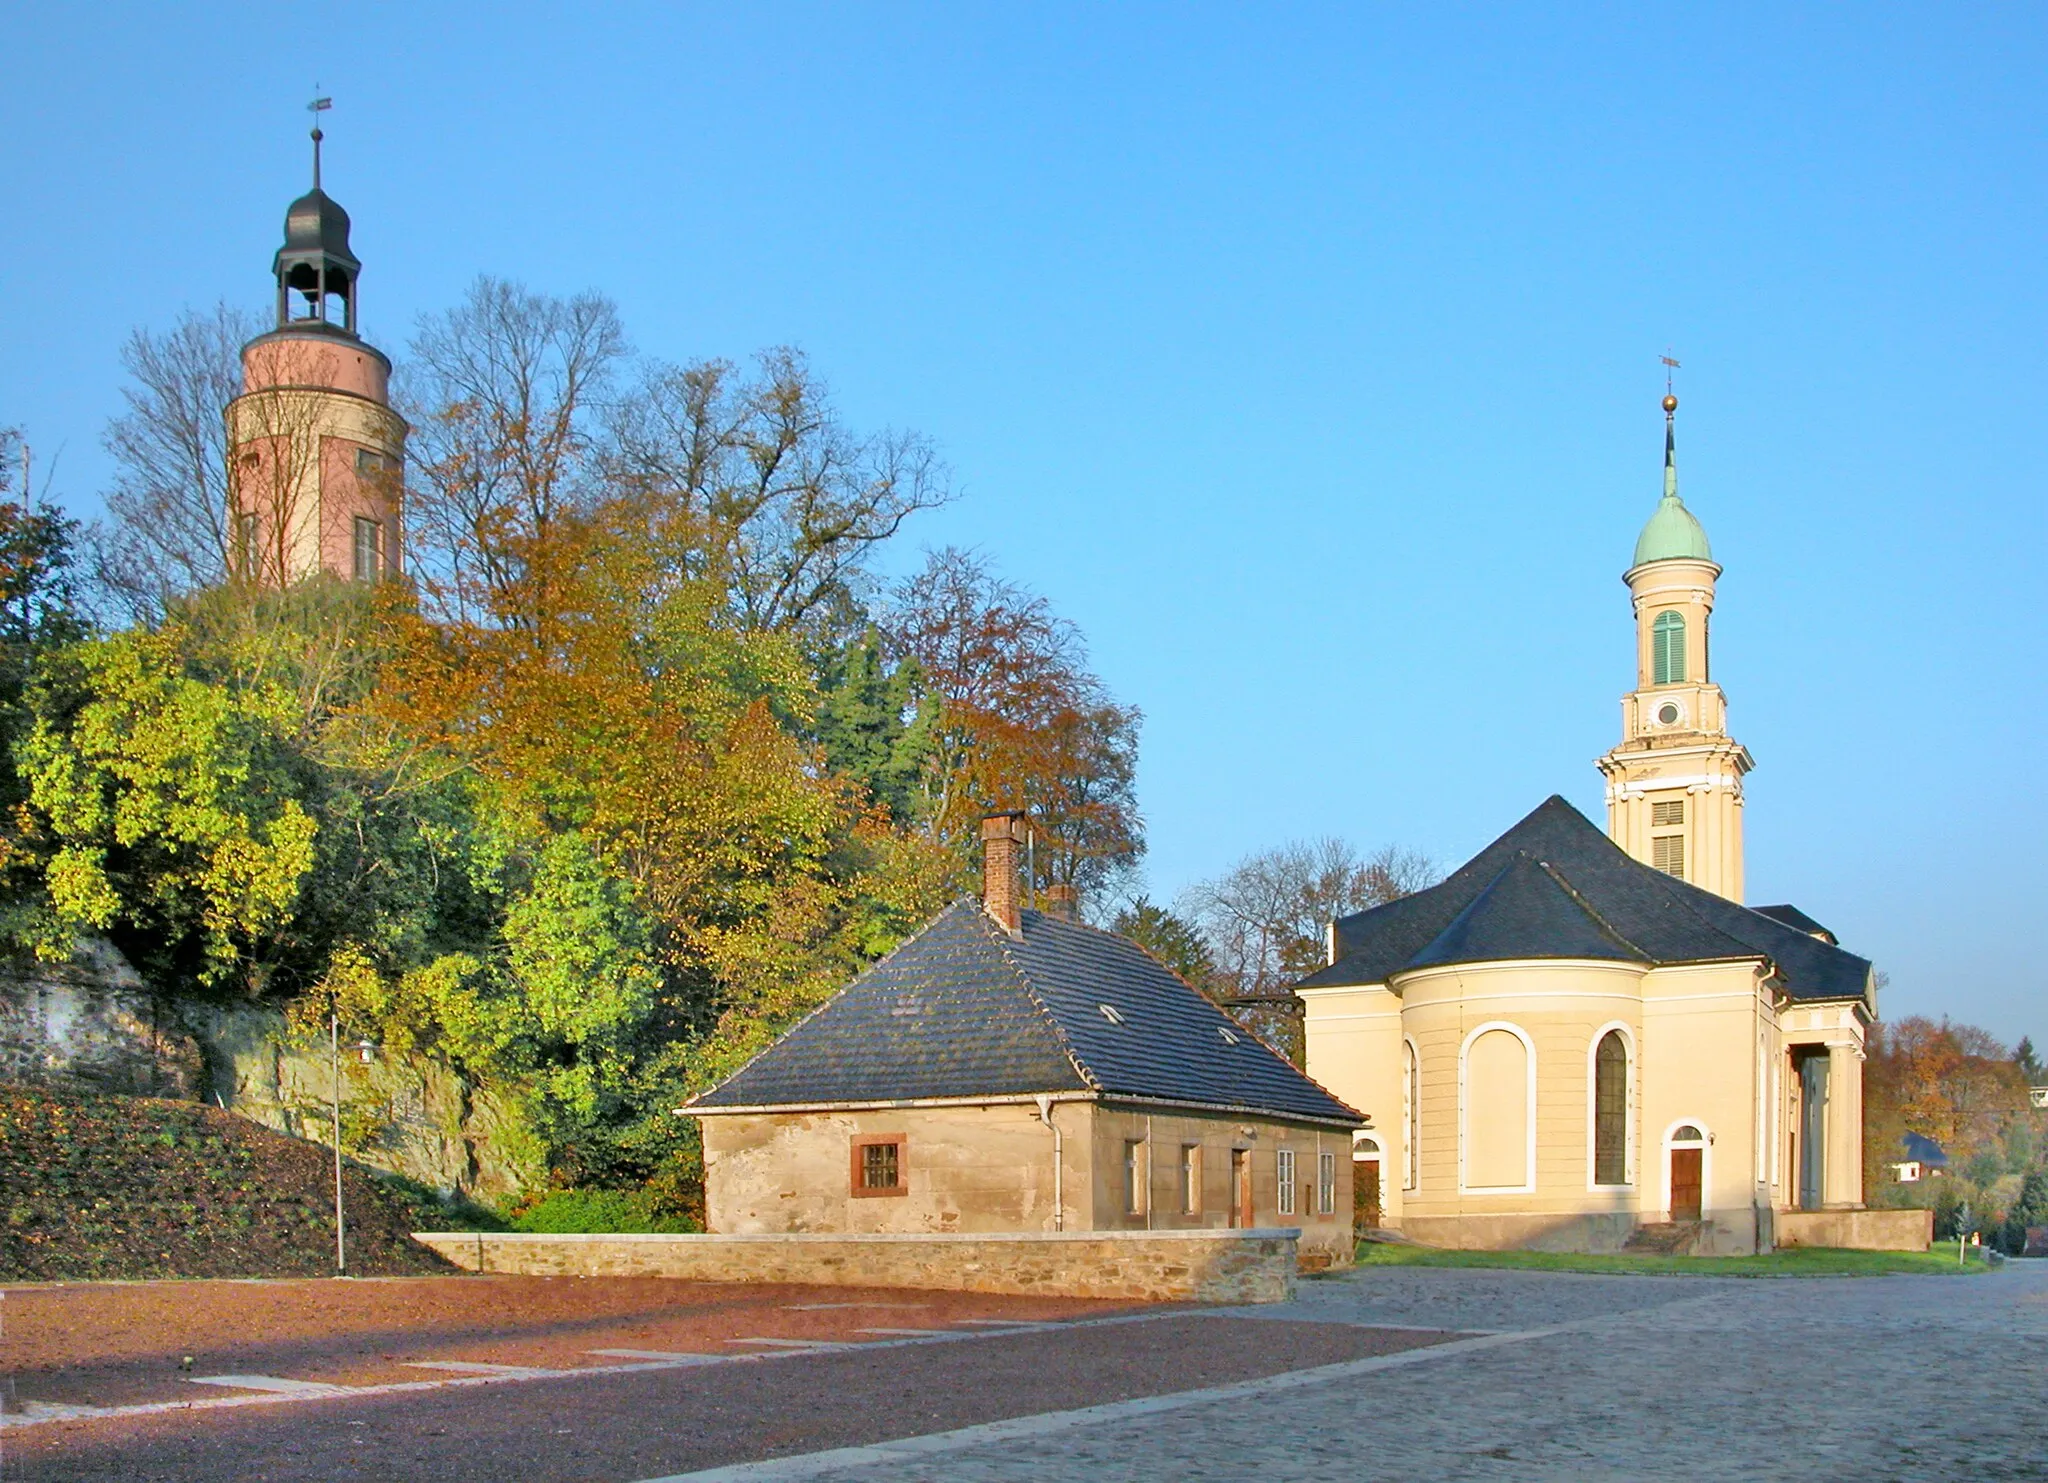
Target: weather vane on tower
{"points": [[318, 106], [1670, 365]]}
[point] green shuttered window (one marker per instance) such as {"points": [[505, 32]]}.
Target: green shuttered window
{"points": [[1667, 649]]}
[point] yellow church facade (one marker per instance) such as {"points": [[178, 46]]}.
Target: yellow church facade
{"points": [[1582, 1040]]}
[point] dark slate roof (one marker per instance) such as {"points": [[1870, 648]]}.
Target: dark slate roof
{"points": [[1555, 886], [1526, 903], [1792, 916], [962, 1010]]}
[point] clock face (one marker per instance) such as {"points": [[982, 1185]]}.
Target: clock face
{"points": [[1668, 714]]}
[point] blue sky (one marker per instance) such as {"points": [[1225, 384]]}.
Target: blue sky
{"points": [[1306, 357]]}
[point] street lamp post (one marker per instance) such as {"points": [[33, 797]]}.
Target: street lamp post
{"points": [[366, 1050]]}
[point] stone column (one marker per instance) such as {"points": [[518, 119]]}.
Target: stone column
{"points": [[1844, 1172]]}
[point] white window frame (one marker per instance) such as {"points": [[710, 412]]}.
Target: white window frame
{"points": [[1191, 1179], [1528, 1185], [1326, 1184], [1629, 1166], [1411, 1115], [1135, 1181], [1283, 1169]]}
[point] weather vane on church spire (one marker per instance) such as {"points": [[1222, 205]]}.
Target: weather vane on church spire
{"points": [[1670, 365], [318, 106]]}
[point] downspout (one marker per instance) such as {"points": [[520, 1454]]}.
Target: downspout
{"points": [[1059, 1199], [1148, 1171]]}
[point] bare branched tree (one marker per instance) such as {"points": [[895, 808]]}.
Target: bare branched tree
{"points": [[787, 502], [167, 532], [1266, 919], [505, 394]]}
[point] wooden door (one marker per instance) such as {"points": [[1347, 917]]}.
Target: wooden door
{"points": [[1685, 1183], [1365, 1191], [1241, 1188]]}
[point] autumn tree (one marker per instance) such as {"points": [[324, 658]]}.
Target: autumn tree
{"points": [[1016, 720], [1953, 1083], [1266, 919]]}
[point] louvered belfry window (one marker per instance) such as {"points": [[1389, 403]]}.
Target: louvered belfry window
{"points": [[1667, 649], [1667, 853], [1666, 812], [1610, 1110]]}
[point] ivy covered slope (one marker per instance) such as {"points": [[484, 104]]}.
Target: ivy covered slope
{"points": [[98, 1187]]}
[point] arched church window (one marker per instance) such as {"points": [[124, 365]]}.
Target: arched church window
{"points": [[1610, 1110], [1667, 649]]}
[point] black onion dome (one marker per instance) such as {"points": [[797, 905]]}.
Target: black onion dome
{"points": [[315, 223]]}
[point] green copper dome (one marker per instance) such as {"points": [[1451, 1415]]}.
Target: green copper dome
{"points": [[1674, 533]]}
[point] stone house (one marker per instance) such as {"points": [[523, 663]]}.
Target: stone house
{"points": [[1009, 1070]]}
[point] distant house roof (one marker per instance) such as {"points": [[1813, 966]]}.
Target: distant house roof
{"points": [[1923, 1150], [963, 1010], [1555, 886], [1793, 917]]}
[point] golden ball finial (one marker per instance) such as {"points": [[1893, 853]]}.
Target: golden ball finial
{"points": [[1670, 403]]}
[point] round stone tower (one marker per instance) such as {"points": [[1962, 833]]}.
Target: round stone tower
{"points": [[316, 473]]}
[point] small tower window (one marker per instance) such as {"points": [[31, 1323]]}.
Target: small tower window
{"points": [[1667, 853], [1665, 811], [1667, 649], [369, 549]]}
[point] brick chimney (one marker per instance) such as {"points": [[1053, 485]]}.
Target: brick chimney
{"points": [[1001, 837], [1063, 902]]}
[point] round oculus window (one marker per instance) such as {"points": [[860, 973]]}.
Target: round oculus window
{"points": [[1667, 714]]}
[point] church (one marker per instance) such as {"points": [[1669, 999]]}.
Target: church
{"points": [[1584, 1041]]}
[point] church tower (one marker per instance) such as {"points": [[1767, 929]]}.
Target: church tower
{"points": [[316, 455], [1674, 785]]}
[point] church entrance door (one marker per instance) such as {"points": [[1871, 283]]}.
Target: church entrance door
{"points": [[1685, 1183], [1365, 1189]]}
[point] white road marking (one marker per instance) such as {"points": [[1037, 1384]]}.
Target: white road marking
{"points": [[827, 1307], [1011, 1323], [795, 1343], [477, 1367], [272, 1383], [903, 1333], [678, 1356]]}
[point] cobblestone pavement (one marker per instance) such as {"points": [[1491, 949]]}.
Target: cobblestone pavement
{"points": [[1625, 1379]]}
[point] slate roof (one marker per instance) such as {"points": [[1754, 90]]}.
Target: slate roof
{"points": [[1555, 886], [1792, 916], [962, 1010]]}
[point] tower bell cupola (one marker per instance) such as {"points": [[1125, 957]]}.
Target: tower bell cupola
{"points": [[315, 263]]}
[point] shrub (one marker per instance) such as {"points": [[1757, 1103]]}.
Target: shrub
{"points": [[599, 1211]]}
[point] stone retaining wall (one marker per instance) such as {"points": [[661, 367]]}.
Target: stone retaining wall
{"points": [[1244, 1266], [1858, 1230]]}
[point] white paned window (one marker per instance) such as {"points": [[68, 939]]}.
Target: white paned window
{"points": [[1286, 1190], [1326, 1184]]}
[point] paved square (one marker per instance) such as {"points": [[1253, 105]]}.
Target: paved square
{"points": [[1401, 1374]]}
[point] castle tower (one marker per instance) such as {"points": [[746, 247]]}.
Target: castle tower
{"points": [[1674, 785], [316, 455]]}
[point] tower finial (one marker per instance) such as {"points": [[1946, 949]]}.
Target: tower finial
{"points": [[318, 106], [1670, 432]]}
